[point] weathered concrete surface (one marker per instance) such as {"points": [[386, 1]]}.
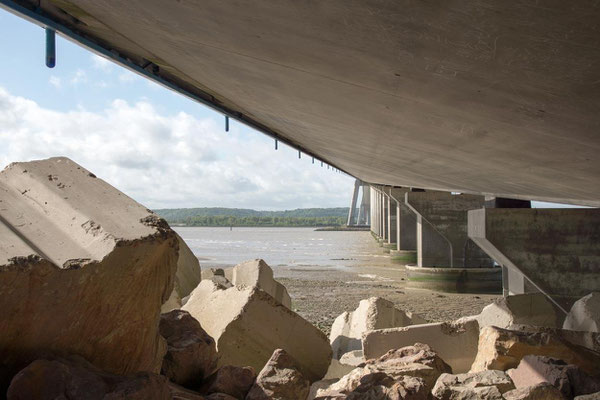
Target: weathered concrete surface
{"points": [[523, 309], [447, 214], [480, 385], [568, 378], [503, 349], [186, 279], [279, 380], [248, 325], [416, 367], [457, 280], [541, 391], [191, 353], [585, 314], [556, 249], [455, 342], [406, 221], [474, 97], [84, 270], [256, 273], [372, 313]]}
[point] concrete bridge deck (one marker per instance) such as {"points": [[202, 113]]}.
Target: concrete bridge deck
{"points": [[484, 97]]}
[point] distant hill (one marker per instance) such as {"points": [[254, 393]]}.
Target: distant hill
{"points": [[218, 216]]}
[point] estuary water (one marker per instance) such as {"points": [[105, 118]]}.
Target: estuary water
{"points": [[277, 246]]}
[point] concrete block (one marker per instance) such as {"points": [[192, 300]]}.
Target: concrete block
{"points": [[373, 313], [84, 270], [248, 325], [585, 314], [502, 349], [524, 309], [455, 342], [187, 277], [256, 273]]}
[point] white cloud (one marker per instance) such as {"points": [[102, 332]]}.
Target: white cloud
{"points": [[169, 160], [101, 63], [55, 81], [127, 77], [78, 77]]}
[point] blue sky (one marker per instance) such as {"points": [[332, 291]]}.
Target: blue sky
{"points": [[157, 146]]}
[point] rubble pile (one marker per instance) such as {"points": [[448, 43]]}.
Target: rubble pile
{"points": [[103, 300]]}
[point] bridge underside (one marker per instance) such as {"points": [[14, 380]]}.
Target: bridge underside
{"points": [[487, 96]]}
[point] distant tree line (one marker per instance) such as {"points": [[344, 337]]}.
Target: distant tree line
{"points": [[307, 217]]}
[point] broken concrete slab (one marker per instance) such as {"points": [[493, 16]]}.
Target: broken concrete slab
{"points": [[584, 314], [191, 353], [502, 349], [480, 385], [540, 391], [569, 379], [256, 273], [527, 309], [455, 342], [373, 313], [84, 270], [590, 340], [279, 380], [187, 277], [248, 325]]}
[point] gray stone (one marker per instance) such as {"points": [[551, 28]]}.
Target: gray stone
{"points": [[539, 391], [584, 314], [485, 385]]}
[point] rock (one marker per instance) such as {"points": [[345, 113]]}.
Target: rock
{"points": [[354, 358], [526, 309], [220, 396], [479, 385], [319, 385], [584, 314], [84, 270], [373, 313], [568, 379], [540, 391], [231, 380], [256, 273], [593, 396], [187, 277], [502, 349], [279, 380], [248, 325], [418, 361], [590, 340], [455, 342], [180, 393], [191, 353], [75, 378], [374, 385]]}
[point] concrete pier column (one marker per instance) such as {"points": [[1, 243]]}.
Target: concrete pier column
{"points": [[352, 220], [384, 217], [557, 250], [406, 221], [442, 239], [391, 222]]}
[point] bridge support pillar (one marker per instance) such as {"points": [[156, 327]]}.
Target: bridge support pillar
{"points": [[555, 250], [446, 258]]}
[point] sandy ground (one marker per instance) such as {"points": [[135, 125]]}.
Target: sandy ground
{"points": [[321, 294]]}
